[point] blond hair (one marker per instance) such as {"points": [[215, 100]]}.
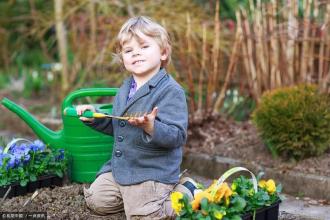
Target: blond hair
{"points": [[145, 25]]}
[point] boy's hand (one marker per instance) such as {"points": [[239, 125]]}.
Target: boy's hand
{"points": [[146, 122], [80, 110]]}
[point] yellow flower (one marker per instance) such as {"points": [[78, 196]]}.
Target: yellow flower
{"points": [[270, 186], [262, 184], [175, 201], [227, 201], [198, 198], [212, 186], [223, 192], [251, 192], [218, 215], [234, 186]]}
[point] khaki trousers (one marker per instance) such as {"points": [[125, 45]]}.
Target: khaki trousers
{"points": [[147, 200]]}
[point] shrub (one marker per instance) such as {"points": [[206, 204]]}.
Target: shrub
{"points": [[294, 121]]}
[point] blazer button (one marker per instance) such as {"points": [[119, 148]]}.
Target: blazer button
{"points": [[118, 153], [120, 138], [122, 123]]}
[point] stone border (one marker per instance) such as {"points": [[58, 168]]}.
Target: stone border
{"points": [[296, 184]]}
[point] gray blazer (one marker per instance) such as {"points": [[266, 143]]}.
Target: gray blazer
{"points": [[136, 156]]}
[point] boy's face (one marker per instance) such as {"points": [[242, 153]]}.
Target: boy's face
{"points": [[142, 56]]}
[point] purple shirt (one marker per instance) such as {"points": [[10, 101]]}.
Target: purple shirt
{"points": [[132, 90]]}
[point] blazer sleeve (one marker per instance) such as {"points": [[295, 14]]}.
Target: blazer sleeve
{"points": [[170, 128], [103, 125]]}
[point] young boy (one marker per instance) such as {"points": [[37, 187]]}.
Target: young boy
{"points": [[147, 151]]}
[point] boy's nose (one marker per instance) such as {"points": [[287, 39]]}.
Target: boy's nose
{"points": [[136, 52]]}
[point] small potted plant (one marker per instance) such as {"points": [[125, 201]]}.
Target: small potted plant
{"points": [[245, 199], [27, 165]]}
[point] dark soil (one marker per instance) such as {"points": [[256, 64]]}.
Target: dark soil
{"points": [[65, 202]]}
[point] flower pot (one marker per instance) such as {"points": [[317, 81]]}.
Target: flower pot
{"points": [[20, 190], [33, 186], [57, 181], [266, 213], [43, 181]]}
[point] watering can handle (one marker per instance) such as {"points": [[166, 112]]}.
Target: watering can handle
{"points": [[88, 92], [73, 112]]}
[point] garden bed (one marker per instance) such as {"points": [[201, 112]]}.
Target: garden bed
{"points": [[227, 138], [65, 202]]}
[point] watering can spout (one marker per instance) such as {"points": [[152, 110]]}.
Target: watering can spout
{"points": [[49, 137]]}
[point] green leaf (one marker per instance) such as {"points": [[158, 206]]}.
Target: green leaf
{"points": [[204, 204], [239, 203], [23, 182], [183, 212], [59, 173], [33, 178], [3, 182], [279, 188], [235, 217], [199, 216]]}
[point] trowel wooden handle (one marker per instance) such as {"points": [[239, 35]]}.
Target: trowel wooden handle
{"points": [[69, 111]]}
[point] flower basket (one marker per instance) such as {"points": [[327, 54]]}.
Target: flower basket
{"points": [[26, 166], [246, 199]]}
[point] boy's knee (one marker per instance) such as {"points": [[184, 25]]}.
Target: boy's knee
{"points": [[101, 203]]}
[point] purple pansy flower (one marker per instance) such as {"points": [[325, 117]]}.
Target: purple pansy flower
{"points": [[37, 145], [20, 152], [60, 156], [11, 161], [2, 157]]}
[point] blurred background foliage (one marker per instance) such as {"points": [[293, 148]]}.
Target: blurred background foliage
{"points": [[225, 53]]}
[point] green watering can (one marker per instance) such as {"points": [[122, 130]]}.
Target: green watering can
{"points": [[88, 149]]}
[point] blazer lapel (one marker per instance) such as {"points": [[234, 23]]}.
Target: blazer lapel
{"points": [[143, 91], [122, 98]]}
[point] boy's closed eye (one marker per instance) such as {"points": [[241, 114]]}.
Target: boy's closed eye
{"points": [[127, 51]]}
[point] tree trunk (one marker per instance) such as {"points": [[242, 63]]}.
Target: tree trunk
{"points": [[62, 45]]}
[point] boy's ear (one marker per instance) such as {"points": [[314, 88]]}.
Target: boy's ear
{"points": [[164, 54]]}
